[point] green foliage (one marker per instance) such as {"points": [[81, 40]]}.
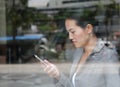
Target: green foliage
{"points": [[88, 14], [61, 15], [44, 28], [19, 15], [41, 17], [9, 30], [112, 9], [24, 2]]}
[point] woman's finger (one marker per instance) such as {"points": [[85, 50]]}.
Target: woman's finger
{"points": [[47, 62], [43, 65], [50, 68]]}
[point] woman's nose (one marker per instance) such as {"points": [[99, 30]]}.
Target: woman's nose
{"points": [[70, 36]]}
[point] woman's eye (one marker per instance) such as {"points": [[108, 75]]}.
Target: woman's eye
{"points": [[72, 32]]}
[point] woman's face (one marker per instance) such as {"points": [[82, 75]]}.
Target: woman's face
{"points": [[77, 34]]}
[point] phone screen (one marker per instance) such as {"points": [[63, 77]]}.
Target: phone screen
{"points": [[38, 58]]}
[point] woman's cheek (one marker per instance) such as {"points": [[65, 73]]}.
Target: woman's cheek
{"points": [[82, 40]]}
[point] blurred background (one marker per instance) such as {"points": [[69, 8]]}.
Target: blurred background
{"points": [[31, 27]]}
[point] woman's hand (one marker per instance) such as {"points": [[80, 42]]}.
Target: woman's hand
{"points": [[50, 69]]}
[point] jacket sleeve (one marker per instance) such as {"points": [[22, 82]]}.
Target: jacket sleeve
{"points": [[112, 70], [63, 81]]}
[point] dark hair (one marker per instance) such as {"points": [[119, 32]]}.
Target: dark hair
{"points": [[82, 22]]}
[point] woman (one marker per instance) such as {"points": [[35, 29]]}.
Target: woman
{"points": [[96, 65]]}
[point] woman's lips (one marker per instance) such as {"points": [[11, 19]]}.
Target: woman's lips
{"points": [[74, 42]]}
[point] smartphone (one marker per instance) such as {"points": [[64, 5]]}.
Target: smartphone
{"points": [[38, 58]]}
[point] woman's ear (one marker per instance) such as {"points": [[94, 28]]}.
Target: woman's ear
{"points": [[89, 28]]}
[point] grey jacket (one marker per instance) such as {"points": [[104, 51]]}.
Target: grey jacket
{"points": [[100, 70]]}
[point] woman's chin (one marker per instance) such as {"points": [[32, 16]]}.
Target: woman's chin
{"points": [[77, 46]]}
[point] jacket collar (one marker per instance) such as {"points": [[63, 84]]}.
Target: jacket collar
{"points": [[99, 45]]}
